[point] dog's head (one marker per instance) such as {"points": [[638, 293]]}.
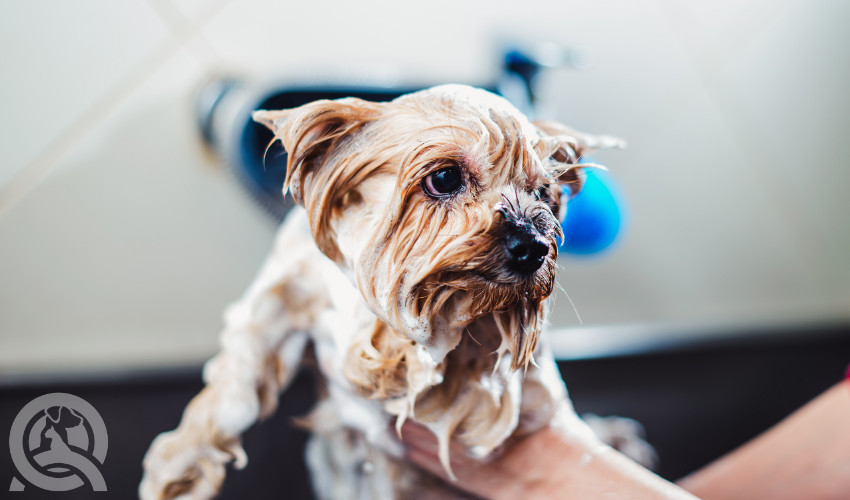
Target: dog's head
{"points": [[443, 205]]}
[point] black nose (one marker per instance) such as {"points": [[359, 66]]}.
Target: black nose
{"points": [[527, 250]]}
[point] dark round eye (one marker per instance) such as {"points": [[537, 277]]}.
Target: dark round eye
{"points": [[544, 194], [443, 182]]}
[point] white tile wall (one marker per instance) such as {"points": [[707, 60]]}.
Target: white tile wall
{"points": [[129, 250], [120, 241], [60, 60]]}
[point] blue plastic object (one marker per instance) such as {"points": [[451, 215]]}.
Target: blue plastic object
{"points": [[594, 216]]}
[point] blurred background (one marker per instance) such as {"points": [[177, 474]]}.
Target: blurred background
{"points": [[122, 238], [723, 305]]}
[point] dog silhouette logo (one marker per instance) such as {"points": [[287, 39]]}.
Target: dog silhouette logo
{"points": [[58, 442]]}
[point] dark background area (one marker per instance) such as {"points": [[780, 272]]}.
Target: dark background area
{"points": [[697, 402]]}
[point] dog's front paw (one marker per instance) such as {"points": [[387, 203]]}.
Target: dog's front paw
{"points": [[178, 466]]}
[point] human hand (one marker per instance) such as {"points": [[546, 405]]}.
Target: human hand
{"points": [[554, 462]]}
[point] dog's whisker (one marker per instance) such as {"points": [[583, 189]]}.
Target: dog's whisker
{"points": [[560, 287], [573, 305]]}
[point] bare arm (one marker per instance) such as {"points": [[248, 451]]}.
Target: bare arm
{"points": [[807, 455], [551, 463]]}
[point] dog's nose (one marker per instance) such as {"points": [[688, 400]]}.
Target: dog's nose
{"points": [[527, 250]]}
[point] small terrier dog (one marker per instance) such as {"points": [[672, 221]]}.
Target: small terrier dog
{"points": [[419, 269]]}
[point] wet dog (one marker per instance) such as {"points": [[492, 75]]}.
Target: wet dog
{"points": [[419, 269]]}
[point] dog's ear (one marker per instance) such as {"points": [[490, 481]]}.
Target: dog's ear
{"points": [[568, 147], [312, 133], [316, 137]]}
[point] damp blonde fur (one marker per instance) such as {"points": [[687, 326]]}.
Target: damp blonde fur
{"points": [[406, 297]]}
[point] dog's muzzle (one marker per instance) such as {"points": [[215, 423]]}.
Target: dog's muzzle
{"points": [[527, 248]]}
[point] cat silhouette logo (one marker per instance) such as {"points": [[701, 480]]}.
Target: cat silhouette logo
{"points": [[58, 442]]}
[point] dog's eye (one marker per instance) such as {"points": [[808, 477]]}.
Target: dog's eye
{"points": [[443, 182], [544, 194]]}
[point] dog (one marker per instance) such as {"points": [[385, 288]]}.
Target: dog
{"points": [[417, 271]]}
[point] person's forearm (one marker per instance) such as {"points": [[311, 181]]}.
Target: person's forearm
{"points": [[805, 456], [562, 463], [584, 468]]}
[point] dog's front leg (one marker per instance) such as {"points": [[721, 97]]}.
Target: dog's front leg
{"points": [[262, 343]]}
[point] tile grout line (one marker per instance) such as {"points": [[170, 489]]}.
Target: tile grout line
{"points": [[186, 29], [38, 168]]}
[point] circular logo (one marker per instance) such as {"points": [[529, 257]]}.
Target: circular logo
{"points": [[58, 443]]}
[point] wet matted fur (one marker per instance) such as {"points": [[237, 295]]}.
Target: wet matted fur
{"points": [[408, 296]]}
